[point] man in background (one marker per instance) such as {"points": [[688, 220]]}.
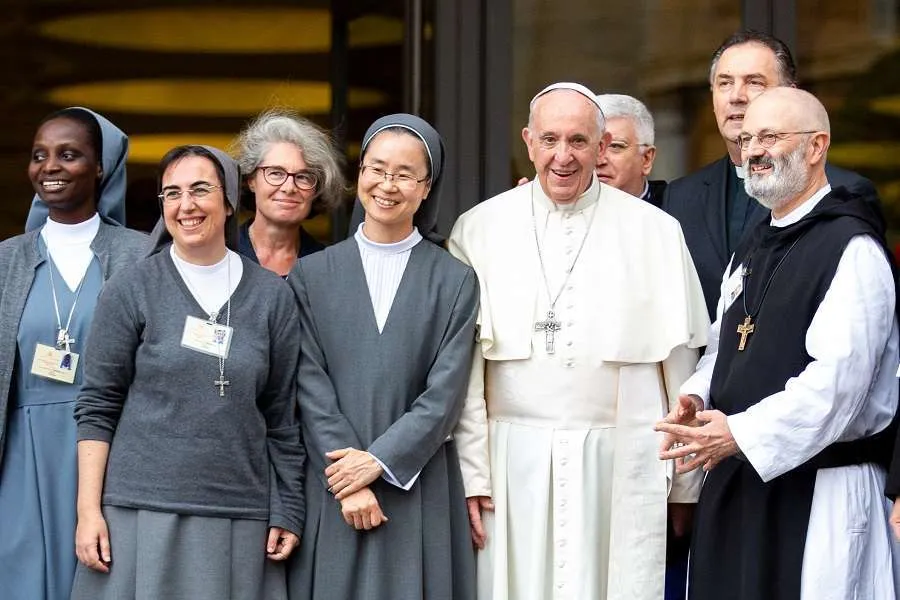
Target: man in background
{"points": [[628, 159]]}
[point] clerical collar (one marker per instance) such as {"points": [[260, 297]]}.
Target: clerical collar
{"points": [[739, 171], [802, 210], [645, 194], [60, 234], [588, 198], [403, 245]]}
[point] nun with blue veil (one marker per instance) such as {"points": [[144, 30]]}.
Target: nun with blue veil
{"points": [[50, 278]]}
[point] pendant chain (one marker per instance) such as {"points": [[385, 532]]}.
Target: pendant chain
{"points": [[553, 299]]}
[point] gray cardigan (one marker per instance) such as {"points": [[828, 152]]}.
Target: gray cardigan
{"points": [[115, 247], [176, 444]]}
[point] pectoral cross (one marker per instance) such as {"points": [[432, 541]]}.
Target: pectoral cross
{"points": [[745, 329], [549, 326], [63, 341], [221, 382]]}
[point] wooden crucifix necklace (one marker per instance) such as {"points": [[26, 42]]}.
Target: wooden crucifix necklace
{"points": [[551, 324], [748, 327]]}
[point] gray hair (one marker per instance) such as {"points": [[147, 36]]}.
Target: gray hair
{"points": [[622, 106], [319, 153]]}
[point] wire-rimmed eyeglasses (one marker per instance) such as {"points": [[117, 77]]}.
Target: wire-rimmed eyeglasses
{"points": [[766, 139], [404, 181], [197, 192]]}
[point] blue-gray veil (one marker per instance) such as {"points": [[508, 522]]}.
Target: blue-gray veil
{"points": [[111, 198]]}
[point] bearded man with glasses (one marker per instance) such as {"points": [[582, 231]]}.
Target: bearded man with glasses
{"points": [[711, 205], [791, 409]]}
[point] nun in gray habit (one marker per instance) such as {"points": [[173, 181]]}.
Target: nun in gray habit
{"points": [[186, 419], [387, 334]]}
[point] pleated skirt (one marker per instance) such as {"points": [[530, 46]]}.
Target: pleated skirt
{"points": [[159, 555]]}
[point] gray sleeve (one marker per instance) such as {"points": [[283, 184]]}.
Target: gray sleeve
{"points": [[287, 454], [325, 425], [108, 361], [413, 439]]}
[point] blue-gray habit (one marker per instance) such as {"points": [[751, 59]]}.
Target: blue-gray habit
{"points": [[397, 394], [37, 429]]}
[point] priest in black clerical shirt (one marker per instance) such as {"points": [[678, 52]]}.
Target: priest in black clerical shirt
{"points": [[710, 203], [792, 409]]}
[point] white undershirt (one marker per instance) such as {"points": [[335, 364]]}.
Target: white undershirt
{"points": [[384, 265], [69, 246], [209, 284]]}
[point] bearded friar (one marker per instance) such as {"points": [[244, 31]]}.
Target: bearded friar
{"points": [[791, 409]]}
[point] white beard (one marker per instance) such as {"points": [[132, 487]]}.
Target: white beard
{"points": [[787, 180]]}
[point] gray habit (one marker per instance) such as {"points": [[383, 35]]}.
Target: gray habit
{"points": [[397, 394]]}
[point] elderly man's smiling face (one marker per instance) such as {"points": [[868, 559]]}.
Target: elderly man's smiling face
{"points": [[783, 144], [563, 140]]}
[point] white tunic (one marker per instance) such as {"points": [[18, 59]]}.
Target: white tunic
{"points": [[580, 496], [848, 391]]}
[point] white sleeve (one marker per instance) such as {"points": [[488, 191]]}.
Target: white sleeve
{"points": [[846, 340], [391, 479], [698, 384]]}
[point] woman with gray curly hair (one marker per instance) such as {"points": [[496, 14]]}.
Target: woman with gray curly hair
{"points": [[293, 170]]}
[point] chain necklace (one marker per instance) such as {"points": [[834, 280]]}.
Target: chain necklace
{"points": [[213, 318], [63, 341], [551, 324], [748, 327]]}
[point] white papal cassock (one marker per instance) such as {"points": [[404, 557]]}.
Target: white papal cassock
{"points": [[564, 441]]}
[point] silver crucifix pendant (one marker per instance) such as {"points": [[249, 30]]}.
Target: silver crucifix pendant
{"points": [[549, 326], [63, 341]]}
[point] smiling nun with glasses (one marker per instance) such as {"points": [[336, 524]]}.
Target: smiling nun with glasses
{"points": [[190, 458], [387, 333], [294, 172]]}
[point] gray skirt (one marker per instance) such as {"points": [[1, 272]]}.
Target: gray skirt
{"points": [[158, 555]]}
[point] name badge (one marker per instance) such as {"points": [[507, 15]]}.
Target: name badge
{"points": [[734, 286], [51, 363], [209, 338]]}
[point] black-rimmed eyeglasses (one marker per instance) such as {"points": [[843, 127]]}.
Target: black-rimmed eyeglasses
{"points": [[304, 180]]}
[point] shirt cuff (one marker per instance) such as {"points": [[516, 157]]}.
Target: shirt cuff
{"points": [[391, 479], [747, 440]]}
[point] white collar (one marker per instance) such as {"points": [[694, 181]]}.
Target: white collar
{"points": [[79, 234], [588, 198], [802, 210], [739, 171], [644, 195], [212, 269], [403, 245]]}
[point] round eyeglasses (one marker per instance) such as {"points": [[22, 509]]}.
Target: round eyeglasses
{"points": [[304, 180], [767, 139]]}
